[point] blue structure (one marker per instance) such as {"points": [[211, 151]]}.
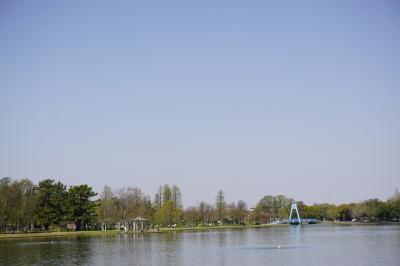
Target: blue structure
{"points": [[303, 221]]}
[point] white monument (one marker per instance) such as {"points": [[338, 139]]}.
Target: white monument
{"points": [[294, 208]]}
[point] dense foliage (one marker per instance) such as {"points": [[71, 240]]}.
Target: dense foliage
{"points": [[50, 205]]}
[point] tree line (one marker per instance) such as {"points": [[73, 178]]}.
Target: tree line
{"points": [[50, 205]]}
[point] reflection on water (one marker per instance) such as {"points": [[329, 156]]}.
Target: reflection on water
{"points": [[276, 247], [44, 252], [292, 245]]}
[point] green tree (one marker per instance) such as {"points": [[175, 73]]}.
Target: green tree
{"points": [[52, 203], [394, 205], [330, 212], [372, 207], [27, 204], [191, 215], [168, 214], [241, 213], [271, 208], [6, 207], [168, 205], [166, 194], [81, 209], [344, 212], [237, 212], [282, 206]]}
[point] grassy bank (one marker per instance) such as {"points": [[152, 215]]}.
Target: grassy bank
{"points": [[162, 230], [116, 232]]}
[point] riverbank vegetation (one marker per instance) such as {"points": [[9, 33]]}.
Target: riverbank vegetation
{"points": [[51, 206]]}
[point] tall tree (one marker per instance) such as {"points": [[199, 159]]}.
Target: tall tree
{"points": [[176, 196], [220, 206], [135, 204], [168, 214], [148, 208], [170, 211], [191, 215], [122, 203], [52, 200], [5, 201], [81, 208], [158, 198], [28, 206], [393, 208], [202, 212], [108, 206], [242, 212], [167, 194]]}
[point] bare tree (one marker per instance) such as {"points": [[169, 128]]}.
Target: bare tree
{"points": [[176, 196], [122, 202], [158, 198], [108, 206]]}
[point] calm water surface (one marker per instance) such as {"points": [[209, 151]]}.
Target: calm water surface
{"points": [[295, 245]]}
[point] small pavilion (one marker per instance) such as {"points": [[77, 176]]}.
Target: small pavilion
{"points": [[137, 224], [140, 224]]}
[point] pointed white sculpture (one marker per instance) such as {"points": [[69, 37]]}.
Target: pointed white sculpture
{"points": [[294, 207]]}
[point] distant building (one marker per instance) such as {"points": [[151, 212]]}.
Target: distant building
{"points": [[71, 226]]}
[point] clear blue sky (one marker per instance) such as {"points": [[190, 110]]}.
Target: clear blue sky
{"points": [[300, 98]]}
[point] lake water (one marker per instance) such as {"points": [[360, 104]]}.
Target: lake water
{"points": [[293, 245]]}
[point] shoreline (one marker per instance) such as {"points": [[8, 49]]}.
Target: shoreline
{"points": [[4, 236], [116, 232]]}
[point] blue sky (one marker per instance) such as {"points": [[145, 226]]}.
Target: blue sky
{"points": [[255, 97]]}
